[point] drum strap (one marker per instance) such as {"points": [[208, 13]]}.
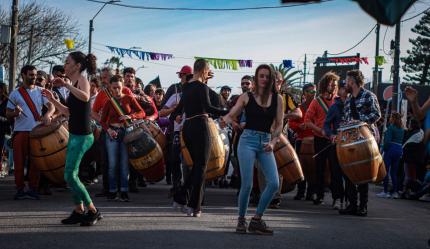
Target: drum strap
{"points": [[322, 104], [29, 103]]}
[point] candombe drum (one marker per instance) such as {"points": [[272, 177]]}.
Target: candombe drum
{"points": [[144, 154], [287, 161], [216, 165], [382, 172], [48, 145], [358, 153], [307, 161], [156, 133]]}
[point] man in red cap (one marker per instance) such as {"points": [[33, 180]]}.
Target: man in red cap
{"points": [[177, 88]]}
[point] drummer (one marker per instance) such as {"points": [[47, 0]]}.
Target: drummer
{"points": [[314, 119], [114, 124], [331, 124], [25, 107], [361, 105]]}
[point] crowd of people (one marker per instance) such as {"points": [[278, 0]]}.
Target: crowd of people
{"points": [[100, 110]]}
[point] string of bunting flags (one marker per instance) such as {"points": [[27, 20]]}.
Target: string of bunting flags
{"points": [[235, 64]]}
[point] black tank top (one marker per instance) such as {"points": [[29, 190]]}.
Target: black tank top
{"points": [[79, 120], [259, 118]]}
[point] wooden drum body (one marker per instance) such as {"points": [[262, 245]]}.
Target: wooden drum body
{"points": [[217, 157], [287, 161], [48, 145], [156, 133], [358, 153], [145, 155], [307, 151]]}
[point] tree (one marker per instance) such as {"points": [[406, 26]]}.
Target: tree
{"points": [[114, 61], [51, 27], [287, 74], [417, 64]]}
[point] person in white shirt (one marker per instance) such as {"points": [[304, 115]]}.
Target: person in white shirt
{"points": [[25, 106]]}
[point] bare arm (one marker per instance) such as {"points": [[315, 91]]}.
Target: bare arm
{"points": [[278, 122], [55, 103], [237, 109], [295, 114], [412, 96]]}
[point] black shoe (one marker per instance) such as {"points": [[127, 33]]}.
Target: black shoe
{"points": [[45, 191], [308, 197], [275, 204], [350, 210], [102, 194], [242, 225], [33, 195], [91, 218], [258, 226], [299, 197], [20, 195], [318, 201], [362, 211], [74, 218], [124, 197], [112, 196], [142, 184], [133, 189]]}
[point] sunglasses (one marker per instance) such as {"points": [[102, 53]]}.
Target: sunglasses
{"points": [[245, 83], [311, 91]]}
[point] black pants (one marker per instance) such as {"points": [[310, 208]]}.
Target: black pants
{"points": [[196, 138], [320, 143], [174, 159], [102, 161], [352, 191], [336, 186]]}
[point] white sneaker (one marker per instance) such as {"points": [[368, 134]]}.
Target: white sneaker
{"points": [[336, 204], [388, 195], [395, 195], [382, 195]]}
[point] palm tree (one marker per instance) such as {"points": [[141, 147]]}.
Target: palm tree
{"points": [[114, 61], [290, 76]]}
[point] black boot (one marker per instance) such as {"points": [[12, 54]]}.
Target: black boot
{"points": [[350, 210], [74, 218], [91, 218], [362, 211]]}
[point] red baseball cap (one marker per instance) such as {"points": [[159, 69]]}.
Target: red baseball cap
{"points": [[186, 70]]}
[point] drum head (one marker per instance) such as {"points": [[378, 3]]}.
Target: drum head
{"points": [[44, 130]]}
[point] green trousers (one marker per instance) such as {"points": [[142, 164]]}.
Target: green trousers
{"points": [[76, 148]]}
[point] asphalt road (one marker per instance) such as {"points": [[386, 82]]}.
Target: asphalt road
{"points": [[149, 221]]}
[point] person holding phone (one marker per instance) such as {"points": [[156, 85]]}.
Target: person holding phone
{"points": [[115, 124], [264, 119]]}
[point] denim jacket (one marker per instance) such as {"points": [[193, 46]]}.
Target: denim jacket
{"points": [[334, 117]]}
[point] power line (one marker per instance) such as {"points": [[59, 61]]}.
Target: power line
{"points": [[205, 9], [383, 42], [364, 38], [410, 18]]}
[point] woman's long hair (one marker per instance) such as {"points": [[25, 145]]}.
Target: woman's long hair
{"points": [[271, 88], [3, 86]]}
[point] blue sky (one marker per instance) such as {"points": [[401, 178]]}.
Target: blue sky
{"points": [[263, 36]]}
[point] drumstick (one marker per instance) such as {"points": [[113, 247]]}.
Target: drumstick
{"points": [[321, 151], [13, 103]]}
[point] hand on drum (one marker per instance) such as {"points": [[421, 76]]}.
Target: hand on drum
{"points": [[333, 139], [46, 120], [411, 93]]}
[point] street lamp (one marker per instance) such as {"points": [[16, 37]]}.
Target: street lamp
{"points": [[92, 20]]}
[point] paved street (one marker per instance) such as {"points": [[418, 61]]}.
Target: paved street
{"points": [[150, 222]]}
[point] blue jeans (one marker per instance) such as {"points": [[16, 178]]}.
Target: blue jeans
{"points": [[250, 148], [117, 158], [391, 158]]}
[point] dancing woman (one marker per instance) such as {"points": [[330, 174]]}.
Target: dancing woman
{"points": [[196, 105], [264, 118], [80, 135]]}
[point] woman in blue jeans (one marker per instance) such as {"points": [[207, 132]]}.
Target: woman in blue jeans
{"points": [[115, 123], [393, 150], [264, 115]]}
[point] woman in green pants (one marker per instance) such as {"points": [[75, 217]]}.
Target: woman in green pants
{"points": [[80, 137]]}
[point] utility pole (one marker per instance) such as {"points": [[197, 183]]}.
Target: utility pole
{"points": [[396, 78], [30, 46], [13, 45], [304, 72], [90, 39], [376, 72]]}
